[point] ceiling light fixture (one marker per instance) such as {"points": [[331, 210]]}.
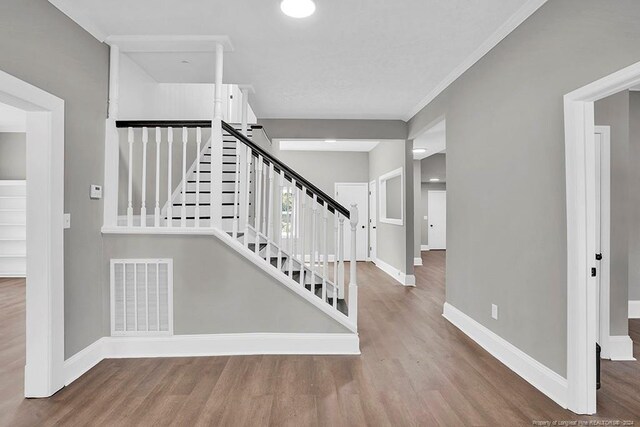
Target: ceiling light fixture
{"points": [[298, 8], [434, 180], [419, 150]]}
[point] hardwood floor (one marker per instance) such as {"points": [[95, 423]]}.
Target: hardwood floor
{"points": [[415, 369]]}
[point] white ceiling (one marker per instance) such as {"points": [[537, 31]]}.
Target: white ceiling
{"points": [[327, 145], [352, 59], [433, 141]]}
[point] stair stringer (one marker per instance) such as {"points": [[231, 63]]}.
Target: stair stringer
{"points": [[286, 280]]}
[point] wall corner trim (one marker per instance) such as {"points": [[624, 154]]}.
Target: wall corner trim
{"points": [[209, 345], [402, 278], [634, 309], [535, 373], [621, 348]]}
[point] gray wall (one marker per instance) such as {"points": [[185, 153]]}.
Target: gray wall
{"points": [[417, 205], [505, 126], [392, 239], [424, 225], [334, 129], [634, 196], [13, 156], [41, 46], [217, 290], [434, 167], [614, 112]]}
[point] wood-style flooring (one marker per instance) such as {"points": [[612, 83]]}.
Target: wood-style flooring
{"points": [[416, 369]]}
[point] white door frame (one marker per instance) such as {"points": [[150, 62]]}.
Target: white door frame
{"points": [[373, 188], [429, 216], [580, 181], [605, 236], [45, 257], [366, 186]]}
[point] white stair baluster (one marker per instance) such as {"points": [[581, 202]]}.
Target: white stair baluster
{"points": [[169, 175], [270, 216], [278, 224], [143, 206], [302, 232], [258, 198], [156, 213], [335, 259], [236, 191], [341, 256], [264, 195], [130, 182], [183, 211], [325, 255], [291, 209], [314, 241], [247, 196], [353, 280], [196, 215]]}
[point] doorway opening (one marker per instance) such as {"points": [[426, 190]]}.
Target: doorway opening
{"points": [[430, 183], [348, 193], [593, 284], [43, 233]]}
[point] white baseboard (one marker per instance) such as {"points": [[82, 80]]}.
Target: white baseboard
{"points": [[417, 261], [404, 279], [544, 379], [78, 364], [424, 247], [634, 309], [620, 348], [209, 345]]}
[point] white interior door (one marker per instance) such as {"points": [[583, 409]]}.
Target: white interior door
{"points": [[358, 193], [437, 219], [373, 219]]}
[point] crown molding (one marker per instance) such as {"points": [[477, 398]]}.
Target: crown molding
{"points": [[505, 29]]}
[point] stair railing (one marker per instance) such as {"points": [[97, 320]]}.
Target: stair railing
{"points": [[267, 207]]}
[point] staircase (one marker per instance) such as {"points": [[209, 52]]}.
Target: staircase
{"points": [[13, 258], [267, 212]]}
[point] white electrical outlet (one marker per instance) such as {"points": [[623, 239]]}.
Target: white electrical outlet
{"points": [[494, 311], [67, 221]]}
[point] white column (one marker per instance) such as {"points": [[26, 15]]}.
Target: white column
{"points": [[169, 183], [130, 181], [241, 153], [112, 144], [143, 208], [216, 144], [353, 280], [156, 213]]}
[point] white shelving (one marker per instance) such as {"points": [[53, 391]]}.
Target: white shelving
{"points": [[13, 216]]}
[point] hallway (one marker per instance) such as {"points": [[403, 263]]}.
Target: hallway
{"points": [[415, 369]]}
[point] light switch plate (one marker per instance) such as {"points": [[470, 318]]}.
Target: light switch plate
{"points": [[96, 192], [67, 220], [494, 311]]}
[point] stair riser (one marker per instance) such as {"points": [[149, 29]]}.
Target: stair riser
{"points": [[13, 266], [13, 190], [205, 198], [12, 216], [204, 210], [11, 247], [12, 231], [13, 203], [206, 186]]}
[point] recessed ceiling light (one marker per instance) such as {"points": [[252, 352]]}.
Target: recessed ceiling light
{"points": [[434, 179], [330, 140], [419, 150], [298, 8]]}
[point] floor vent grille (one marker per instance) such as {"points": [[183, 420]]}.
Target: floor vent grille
{"points": [[141, 297]]}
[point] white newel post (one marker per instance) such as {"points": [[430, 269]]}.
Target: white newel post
{"points": [[241, 152], [340, 256], [216, 144], [143, 206], [112, 143], [353, 280]]}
